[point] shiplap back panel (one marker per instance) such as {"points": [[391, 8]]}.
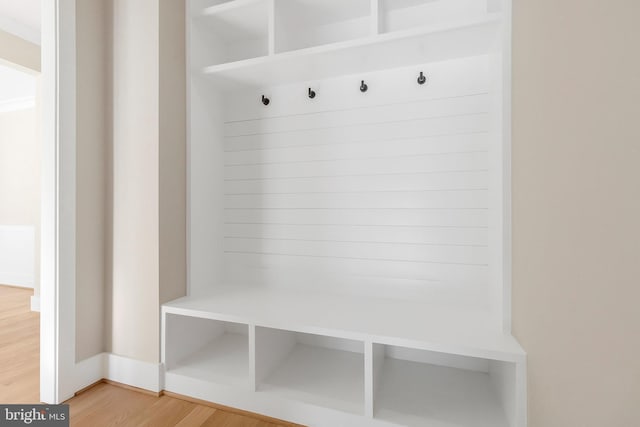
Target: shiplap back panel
{"points": [[384, 192]]}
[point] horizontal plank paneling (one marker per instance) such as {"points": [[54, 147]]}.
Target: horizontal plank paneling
{"points": [[369, 149], [353, 183], [468, 255], [305, 268], [390, 194], [444, 107], [385, 131], [360, 233], [471, 161], [456, 199], [374, 217]]}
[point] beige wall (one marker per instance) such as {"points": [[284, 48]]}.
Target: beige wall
{"points": [[148, 226], [19, 168], [576, 209], [135, 269], [91, 157], [173, 156], [19, 52]]}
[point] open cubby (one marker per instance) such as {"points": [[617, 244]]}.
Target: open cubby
{"points": [[418, 388], [349, 253], [314, 369], [231, 31], [306, 23], [397, 15], [207, 349]]}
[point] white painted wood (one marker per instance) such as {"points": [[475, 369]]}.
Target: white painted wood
{"points": [[398, 49], [503, 379], [269, 404], [506, 225], [425, 147], [374, 23], [438, 359], [272, 346], [360, 234], [398, 15], [49, 348], [410, 110], [35, 303], [17, 255], [462, 332], [307, 23], [237, 29], [179, 344], [205, 177], [360, 239], [435, 181], [320, 376], [225, 360], [91, 370], [216, 351], [453, 162], [374, 360], [133, 372], [58, 207], [386, 217], [339, 95], [441, 254], [417, 394]]}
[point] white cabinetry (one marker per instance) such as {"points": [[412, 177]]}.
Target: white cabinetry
{"points": [[349, 253]]}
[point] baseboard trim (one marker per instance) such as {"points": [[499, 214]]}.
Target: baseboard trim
{"points": [[90, 371], [132, 388], [119, 370], [35, 303], [132, 372]]}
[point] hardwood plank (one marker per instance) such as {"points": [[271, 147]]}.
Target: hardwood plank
{"points": [[197, 416], [19, 347]]}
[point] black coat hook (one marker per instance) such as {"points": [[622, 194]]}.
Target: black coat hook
{"points": [[363, 87], [312, 93], [422, 79], [265, 100]]}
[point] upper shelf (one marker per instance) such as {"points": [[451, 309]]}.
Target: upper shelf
{"points": [[469, 37]]}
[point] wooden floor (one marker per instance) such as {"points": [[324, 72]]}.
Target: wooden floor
{"points": [[103, 404], [19, 347], [108, 405]]}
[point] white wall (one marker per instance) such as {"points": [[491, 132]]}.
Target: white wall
{"points": [[19, 197]]}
